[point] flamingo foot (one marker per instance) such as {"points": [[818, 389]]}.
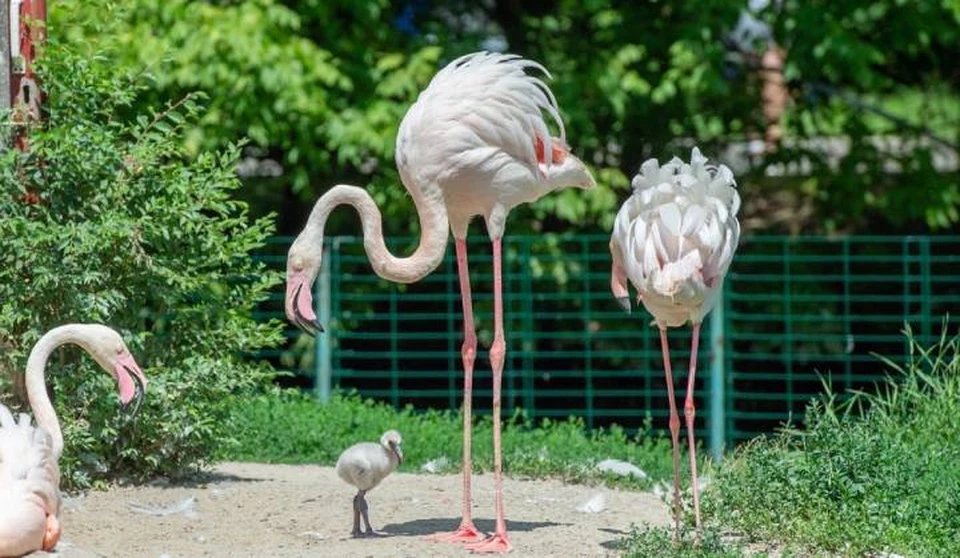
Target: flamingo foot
{"points": [[497, 543], [51, 535], [466, 533]]}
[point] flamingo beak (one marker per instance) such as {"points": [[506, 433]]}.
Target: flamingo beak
{"points": [[132, 384], [299, 304]]}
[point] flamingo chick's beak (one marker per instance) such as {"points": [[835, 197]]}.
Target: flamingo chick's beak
{"points": [[299, 303], [131, 382]]}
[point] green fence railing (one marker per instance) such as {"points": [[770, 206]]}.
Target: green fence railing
{"points": [[795, 310]]}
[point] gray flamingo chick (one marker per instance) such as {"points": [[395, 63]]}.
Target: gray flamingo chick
{"points": [[364, 465]]}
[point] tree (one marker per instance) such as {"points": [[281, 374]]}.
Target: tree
{"points": [[319, 87], [125, 229]]}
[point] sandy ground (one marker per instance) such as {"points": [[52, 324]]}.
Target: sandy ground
{"points": [[246, 509]]}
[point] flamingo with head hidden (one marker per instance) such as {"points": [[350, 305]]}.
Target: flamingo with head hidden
{"points": [[674, 239]]}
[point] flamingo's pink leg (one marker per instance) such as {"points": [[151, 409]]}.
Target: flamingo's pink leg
{"points": [[466, 532], [689, 411], [674, 431], [497, 542]]}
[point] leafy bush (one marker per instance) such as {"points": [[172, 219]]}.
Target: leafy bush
{"points": [[294, 428], [876, 473], [106, 220]]}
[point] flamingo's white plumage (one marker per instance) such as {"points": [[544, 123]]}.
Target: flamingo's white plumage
{"points": [[674, 239], [364, 466], [30, 455], [476, 142]]}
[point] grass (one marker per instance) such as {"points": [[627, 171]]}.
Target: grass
{"points": [[293, 428], [871, 474], [866, 474]]}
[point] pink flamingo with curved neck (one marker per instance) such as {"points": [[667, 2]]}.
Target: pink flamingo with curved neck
{"points": [[29, 456], [474, 143]]}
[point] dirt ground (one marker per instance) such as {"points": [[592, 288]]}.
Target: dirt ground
{"points": [[247, 509]]}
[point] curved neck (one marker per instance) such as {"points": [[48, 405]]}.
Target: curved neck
{"points": [[433, 231], [40, 403]]}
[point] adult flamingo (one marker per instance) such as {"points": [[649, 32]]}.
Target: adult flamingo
{"points": [[674, 238], [29, 455], [474, 143]]}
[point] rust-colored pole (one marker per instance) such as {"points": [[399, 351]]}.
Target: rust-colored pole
{"points": [[28, 31]]}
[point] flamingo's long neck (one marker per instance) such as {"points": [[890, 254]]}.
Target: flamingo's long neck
{"points": [[433, 231], [40, 403]]}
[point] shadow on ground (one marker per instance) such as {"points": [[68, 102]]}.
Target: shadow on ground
{"points": [[422, 527]]}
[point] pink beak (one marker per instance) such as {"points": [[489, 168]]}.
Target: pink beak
{"points": [[299, 303], [131, 381]]}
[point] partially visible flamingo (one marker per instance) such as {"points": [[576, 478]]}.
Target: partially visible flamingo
{"points": [[674, 239], [29, 455], [474, 143]]}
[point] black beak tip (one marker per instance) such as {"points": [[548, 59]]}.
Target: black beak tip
{"points": [[624, 302], [311, 327]]}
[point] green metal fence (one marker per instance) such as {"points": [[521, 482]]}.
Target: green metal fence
{"points": [[795, 310]]}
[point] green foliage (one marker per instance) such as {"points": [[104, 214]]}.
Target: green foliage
{"points": [[130, 232], [293, 428], [876, 473], [321, 86], [658, 541]]}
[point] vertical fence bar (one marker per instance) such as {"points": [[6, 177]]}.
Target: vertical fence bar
{"points": [[926, 292], [394, 349], [587, 333], [452, 334], [906, 292], [336, 296], [718, 380], [729, 389], [322, 364], [847, 322], [529, 343], [788, 325]]}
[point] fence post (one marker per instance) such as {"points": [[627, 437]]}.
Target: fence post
{"points": [[322, 365], [718, 380]]}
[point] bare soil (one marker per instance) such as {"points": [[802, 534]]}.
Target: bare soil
{"points": [[248, 509]]}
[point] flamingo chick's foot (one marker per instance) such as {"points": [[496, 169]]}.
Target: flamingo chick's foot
{"points": [[466, 533], [51, 535], [496, 543]]}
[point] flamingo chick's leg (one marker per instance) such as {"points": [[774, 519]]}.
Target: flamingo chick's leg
{"points": [[466, 532], [674, 431], [356, 532], [362, 505], [51, 535], [498, 541], [689, 411]]}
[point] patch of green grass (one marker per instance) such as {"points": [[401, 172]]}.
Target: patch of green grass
{"points": [[875, 473], [293, 428], [648, 542]]}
